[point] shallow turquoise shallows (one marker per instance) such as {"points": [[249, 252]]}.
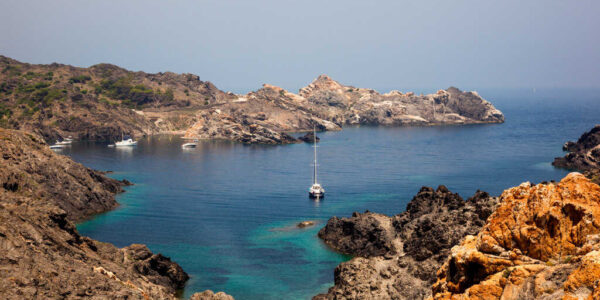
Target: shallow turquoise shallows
{"points": [[226, 212]]}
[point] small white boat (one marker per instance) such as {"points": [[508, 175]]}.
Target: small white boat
{"points": [[69, 139], [316, 191], [126, 141], [64, 142], [190, 145], [56, 147]]}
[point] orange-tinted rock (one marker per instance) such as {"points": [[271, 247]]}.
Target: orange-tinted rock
{"points": [[542, 241]]}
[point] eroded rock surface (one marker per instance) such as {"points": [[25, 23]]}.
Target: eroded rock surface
{"points": [[542, 242], [399, 255]]}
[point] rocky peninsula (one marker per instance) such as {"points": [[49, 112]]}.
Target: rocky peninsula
{"points": [[41, 253], [104, 101]]}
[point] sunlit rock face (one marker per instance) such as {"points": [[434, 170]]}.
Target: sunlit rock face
{"points": [[542, 242]]}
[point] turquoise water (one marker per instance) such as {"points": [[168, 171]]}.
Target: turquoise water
{"points": [[226, 212]]}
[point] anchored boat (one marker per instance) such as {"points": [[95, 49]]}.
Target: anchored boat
{"points": [[316, 191]]}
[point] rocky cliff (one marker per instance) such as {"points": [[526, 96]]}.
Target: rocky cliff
{"points": [[584, 155], [42, 256], [397, 257], [542, 242]]}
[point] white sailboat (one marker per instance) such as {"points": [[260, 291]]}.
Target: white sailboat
{"points": [[316, 190]]}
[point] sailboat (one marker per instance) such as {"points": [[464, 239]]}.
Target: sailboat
{"points": [[316, 190]]}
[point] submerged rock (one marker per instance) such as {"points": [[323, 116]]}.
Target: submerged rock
{"points": [[399, 255], [542, 242], [305, 224]]}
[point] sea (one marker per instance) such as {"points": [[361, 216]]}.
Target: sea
{"points": [[227, 212]]}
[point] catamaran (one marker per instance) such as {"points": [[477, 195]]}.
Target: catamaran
{"points": [[316, 190]]}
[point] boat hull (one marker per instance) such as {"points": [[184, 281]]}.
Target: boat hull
{"points": [[316, 195]]}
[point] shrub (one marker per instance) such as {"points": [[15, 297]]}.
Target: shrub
{"points": [[80, 79]]}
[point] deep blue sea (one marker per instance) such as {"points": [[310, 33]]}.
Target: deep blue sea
{"points": [[226, 212]]}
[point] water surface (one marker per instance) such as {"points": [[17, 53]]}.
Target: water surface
{"points": [[226, 212]]}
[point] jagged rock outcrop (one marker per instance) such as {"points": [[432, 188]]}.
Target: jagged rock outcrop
{"points": [[30, 168], [42, 256], [398, 256], [310, 138], [584, 155], [210, 295], [542, 242]]}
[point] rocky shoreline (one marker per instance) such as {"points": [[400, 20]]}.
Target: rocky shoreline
{"points": [[392, 253], [583, 155], [533, 242], [43, 256], [104, 101]]}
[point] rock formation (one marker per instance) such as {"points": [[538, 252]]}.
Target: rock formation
{"points": [[310, 138], [328, 105], [42, 256], [398, 256], [542, 242], [103, 102], [584, 155]]}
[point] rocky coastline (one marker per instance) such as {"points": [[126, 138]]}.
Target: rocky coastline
{"points": [[533, 242], [42, 256], [583, 155], [405, 250], [104, 101]]}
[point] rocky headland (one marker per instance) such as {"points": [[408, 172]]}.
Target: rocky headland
{"points": [[397, 257], [104, 101], [264, 116], [42, 256], [583, 155]]}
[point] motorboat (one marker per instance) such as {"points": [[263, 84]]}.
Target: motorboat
{"points": [[57, 146], [126, 141], [190, 145]]}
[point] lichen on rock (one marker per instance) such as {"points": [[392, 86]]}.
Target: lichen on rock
{"points": [[541, 242]]}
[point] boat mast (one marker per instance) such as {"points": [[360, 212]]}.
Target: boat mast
{"points": [[315, 145]]}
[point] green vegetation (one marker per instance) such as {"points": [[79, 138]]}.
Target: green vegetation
{"points": [[187, 92], [4, 111], [132, 95], [43, 97], [12, 70], [80, 79]]}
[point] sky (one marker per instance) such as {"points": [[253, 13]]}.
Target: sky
{"points": [[395, 44]]}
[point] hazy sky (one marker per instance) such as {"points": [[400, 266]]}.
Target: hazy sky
{"points": [[238, 45]]}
